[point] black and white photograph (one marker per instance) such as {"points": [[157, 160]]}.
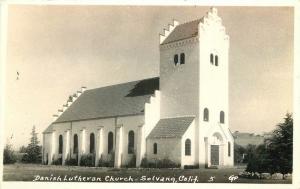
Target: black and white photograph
{"points": [[148, 94]]}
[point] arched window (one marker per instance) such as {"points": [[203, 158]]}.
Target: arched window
{"points": [[216, 60], [206, 115], [75, 144], [92, 143], [211, 59], [130, 142], [175, 59], [188, 147], [229, 149], [60, 144], [182, 58], [155, 148], [222, 117], [110, 142]]}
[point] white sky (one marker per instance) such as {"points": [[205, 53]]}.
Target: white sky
{"points": [[58, 49]]}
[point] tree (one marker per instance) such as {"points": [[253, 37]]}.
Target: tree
{"points": [[9, 156], [276, 154], [22, 149], [280, 146], [33, 150]]}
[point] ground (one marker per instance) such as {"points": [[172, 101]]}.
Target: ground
{"points": [[29, 172]]}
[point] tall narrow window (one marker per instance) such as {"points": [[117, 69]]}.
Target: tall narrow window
{"points": [[229, 149], [130, 142], [155, 148], [222, 117], [187, 147], [110, 142], [216, 60], [92, 143], [182, 58], [175, 59], [60, 144], [205, 115], [75, 144], [211, 59]]}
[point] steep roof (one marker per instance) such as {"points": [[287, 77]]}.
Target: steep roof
{"points": [[116, 100], [183, 31], [171, 127]]}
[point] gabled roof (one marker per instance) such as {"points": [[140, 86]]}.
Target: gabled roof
{"points": [[116, 100], [171, 127], [183, 31]]}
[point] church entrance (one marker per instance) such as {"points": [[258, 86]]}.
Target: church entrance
{"points": [[214, 154]]}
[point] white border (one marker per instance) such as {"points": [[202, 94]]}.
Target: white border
{"points": [[296, 92]]}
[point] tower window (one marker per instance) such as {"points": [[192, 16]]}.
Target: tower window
{"points": [[155, 148], [182, 58], [216, 60], [222, 117], [211, 58], [205, 115], [175, 59], [187, 147]]}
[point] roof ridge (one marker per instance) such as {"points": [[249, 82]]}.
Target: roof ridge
{"points": [[114, 85], [199, 19]]}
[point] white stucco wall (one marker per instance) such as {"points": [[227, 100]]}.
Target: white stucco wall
{"points": [[169, 148], [179, 83], [189, 134], [91, 126]]}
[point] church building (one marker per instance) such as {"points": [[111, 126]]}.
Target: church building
{"points": [[182, 115]]}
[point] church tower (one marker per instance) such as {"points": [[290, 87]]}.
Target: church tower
{"points": [[194, 82]]}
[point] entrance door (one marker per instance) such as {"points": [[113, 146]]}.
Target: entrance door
{"points": [[214, 154]]}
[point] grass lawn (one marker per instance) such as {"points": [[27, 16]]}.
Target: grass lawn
{"points": [[29, 172]]}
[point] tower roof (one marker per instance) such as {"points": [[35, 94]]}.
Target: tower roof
{"points": [[183, 31]]}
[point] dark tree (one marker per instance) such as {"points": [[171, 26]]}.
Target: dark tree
{"points": [[22, 149], [276, 154], [9, 156], [280, 146], [33, 150]]}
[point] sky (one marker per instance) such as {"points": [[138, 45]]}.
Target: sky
{"points": [[58, 49]]}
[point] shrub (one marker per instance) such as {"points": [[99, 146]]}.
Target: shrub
{"points": [[57, 161], [132, 162], [164, 163], [87, 160], [191, 166], [9, 156], [71, 162], [107, 162]]}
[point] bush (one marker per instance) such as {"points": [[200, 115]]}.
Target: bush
{"points": [[71, 162], [164, 163], [191, 166], [107, 162], [87, 160], [132, 162], [57, 161], [9, 156]]}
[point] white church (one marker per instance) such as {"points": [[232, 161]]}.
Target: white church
{"points": [[182, 115]]}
